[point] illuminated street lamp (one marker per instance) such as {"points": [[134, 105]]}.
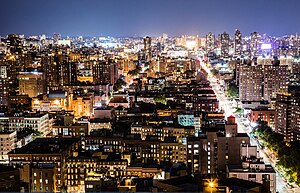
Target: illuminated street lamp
{"points": [[211, 185]]}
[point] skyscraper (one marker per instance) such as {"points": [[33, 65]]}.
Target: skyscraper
{"points": [[237, 42], [287, 113], [250, 88], [210, 42], [51, 71], [147, 49], [254, 43], [69, 72], [275, 80], [105, 72], [4, 86], [225, 44], [283, 115]]}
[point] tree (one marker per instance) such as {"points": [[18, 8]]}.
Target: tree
{"points": [[136, 71], [160, 99], [239, 110], [288, 154], [119, 84], [189, 73], [232, 91], [215, 72]]}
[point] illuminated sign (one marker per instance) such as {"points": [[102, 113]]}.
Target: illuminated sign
{"points": [[266, 46]]}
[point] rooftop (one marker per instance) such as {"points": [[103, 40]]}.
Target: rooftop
{"points": [[240, 169], [46, 146]]}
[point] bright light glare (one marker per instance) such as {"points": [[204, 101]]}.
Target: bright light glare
{"points": [[266, 46], [190, 44], [253, 124]]}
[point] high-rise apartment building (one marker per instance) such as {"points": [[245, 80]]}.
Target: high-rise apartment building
{"points": [[67, 73], [147, 48], [237, 42], [250, 79], [4, 86], [275, 80], [254, 43], [31, 83], [283, 115], [51, 71], [14, 43], [105, 72], [287, 115], [225, 45], [210, 42], [295, 118]]}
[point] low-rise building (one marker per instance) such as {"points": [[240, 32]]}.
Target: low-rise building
{"points": [[8, 142], [263, 114], [19, 121], [44, 155]]}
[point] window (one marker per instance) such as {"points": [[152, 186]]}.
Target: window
{"points": [[252, 176], [65, 131]]}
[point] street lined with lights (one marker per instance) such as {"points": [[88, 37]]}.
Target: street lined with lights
{"points": [[227, 107]]}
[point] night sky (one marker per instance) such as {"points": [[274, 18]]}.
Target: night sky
{"points": [[148, 17]]}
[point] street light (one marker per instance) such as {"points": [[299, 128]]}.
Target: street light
{"points": [[211, 185]]}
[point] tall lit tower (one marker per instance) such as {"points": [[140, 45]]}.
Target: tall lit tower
{"points": [[4, 86], [210, 42], [275, 80], [225, 44], [147, 48], [250, 79], [254, 43], [237, 42]]}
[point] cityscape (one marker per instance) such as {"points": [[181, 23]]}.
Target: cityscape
{"points": [[213, 112]]}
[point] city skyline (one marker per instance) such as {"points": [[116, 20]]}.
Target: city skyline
{"points": [[149, 96], [131, 17]]}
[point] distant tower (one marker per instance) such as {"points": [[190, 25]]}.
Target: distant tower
{"points": [[254, 43], [225, 44], [237, 42], [56, 37], [250, 79], [14, 43], [147, 48], [210, 42], [4, 85], [105, 72]]}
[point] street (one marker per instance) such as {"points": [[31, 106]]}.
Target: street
{"points": [[281, 184]]}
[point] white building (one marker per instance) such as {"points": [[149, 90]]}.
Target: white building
{"points": [[7, 143], [253, 168], [19, 121]]}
